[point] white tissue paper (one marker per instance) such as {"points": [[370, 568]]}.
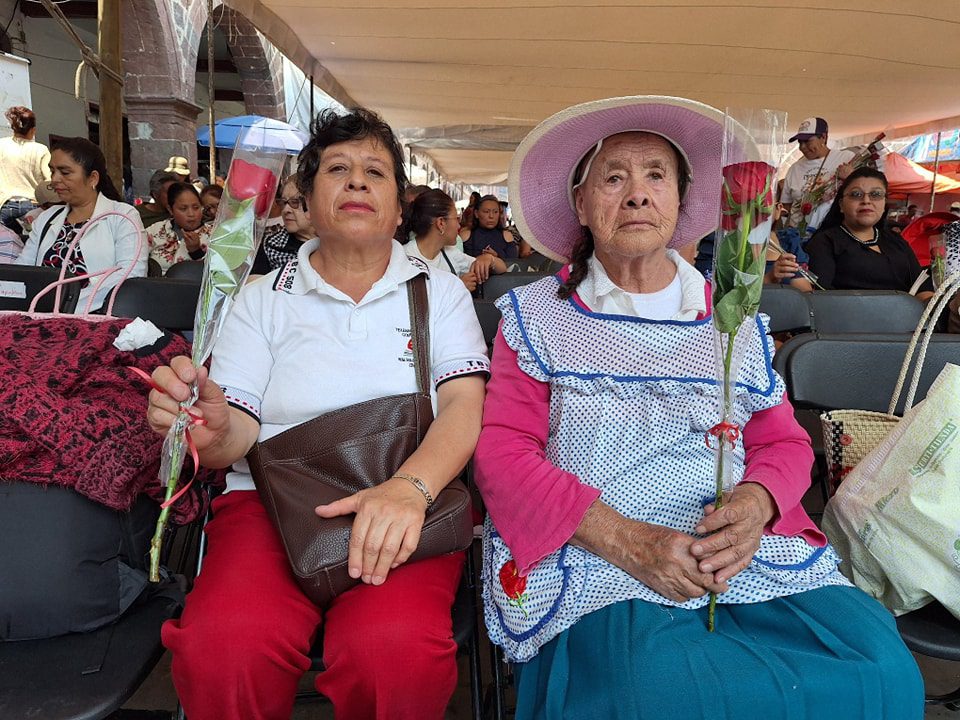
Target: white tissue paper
{"points": [[137, 334]]}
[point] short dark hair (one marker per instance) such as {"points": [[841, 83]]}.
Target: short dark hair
{"points": [[215, 190], [22, 119], [89, 157], [178, 189], [158, 180], [330, 128]]}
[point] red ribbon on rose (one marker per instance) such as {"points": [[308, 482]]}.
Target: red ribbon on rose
{"points": [[723, 431]]}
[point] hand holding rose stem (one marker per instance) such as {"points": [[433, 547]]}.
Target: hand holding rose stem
{"points": [[746, 209], [251, 185]]}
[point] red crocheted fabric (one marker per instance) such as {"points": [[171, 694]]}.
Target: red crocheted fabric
{"points": [[74, 415]]}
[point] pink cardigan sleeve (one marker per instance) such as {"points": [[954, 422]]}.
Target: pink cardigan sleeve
{"points": [[779, 457], [536, 507]]}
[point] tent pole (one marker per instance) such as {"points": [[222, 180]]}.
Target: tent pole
{"points": [[936, 169], [311, 99], [211, 91]]}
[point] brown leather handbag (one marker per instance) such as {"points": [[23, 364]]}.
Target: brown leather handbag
{"points": [[343, 452]]}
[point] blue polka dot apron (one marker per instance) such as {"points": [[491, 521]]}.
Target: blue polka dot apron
{"points": [[631, 401]]}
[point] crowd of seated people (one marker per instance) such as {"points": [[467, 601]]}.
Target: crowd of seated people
{"points": [[610, 524]]}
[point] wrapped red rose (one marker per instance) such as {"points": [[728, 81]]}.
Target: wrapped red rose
{"points": [[747, 184], [247, 180]]}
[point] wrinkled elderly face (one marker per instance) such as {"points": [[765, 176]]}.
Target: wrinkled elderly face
{"points": [[630, 198]]}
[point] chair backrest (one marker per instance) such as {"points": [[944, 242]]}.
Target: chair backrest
{"points": [[858, 371], [864, 311], [169, 304], [787, 307], [497, 285], [188, 270], [19, 284], [537, 262], [489, 316]]}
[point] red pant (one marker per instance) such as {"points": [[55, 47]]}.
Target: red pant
{"points": [[241, 645]]}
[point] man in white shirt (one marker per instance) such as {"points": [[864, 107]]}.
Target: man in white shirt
{"points": [[811, 183]]}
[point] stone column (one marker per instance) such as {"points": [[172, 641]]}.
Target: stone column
{"points": [[160, 127]]}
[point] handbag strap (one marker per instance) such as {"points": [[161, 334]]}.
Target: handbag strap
{"points": [[420, 330], [102, 274], [926, 326]]}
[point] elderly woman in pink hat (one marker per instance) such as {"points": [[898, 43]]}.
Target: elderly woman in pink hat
{"points": [[602, 545]]}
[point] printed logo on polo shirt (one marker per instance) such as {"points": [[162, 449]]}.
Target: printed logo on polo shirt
{"points": [[284, 281], [406, 355], [419, 264]]}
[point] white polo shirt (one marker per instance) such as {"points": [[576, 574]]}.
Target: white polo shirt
{"points": [[459, 261], [294, 347]]}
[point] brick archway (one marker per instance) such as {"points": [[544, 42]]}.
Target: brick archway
{"points": [[157, 92], [259, 64]]}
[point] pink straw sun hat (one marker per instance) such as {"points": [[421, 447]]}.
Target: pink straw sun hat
{"points": [[541, 172]]}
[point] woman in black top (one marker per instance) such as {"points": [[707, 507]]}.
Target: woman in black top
{"points": [[853, 250], [487, 236]]}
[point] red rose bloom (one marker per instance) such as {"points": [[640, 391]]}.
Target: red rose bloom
{"points": [[247, 180], [747, 183], [806, 208]]}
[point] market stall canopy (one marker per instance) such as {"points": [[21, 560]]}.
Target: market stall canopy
{"points": [[905, 177], [255, 129], [923, 150], [865, 65]]}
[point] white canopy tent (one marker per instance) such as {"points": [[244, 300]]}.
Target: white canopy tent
{"points": [[472, 78]]}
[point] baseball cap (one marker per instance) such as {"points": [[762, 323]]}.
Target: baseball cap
{"points": [[810, 127], [955, 207]]}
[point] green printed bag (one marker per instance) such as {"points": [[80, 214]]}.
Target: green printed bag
{"points": [[895, 519]]}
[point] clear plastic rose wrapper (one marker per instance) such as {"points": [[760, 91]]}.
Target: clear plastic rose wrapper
{"points": [[248, 194], [754, 142]]}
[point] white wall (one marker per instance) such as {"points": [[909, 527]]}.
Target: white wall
{"points": [[54, 59]]}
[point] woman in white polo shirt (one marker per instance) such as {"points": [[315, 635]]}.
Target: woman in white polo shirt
{"points": [[328, 330], [432, 227]]}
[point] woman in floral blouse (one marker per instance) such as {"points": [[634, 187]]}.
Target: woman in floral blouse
{"points": [[183, 236]]}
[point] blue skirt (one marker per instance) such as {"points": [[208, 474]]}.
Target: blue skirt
{"points": [[831, 653]]}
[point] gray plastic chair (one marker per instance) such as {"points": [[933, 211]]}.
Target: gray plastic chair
{"points": [[864, 311]]}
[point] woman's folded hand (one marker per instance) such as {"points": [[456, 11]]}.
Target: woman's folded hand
{"points": [[734, 531], [660, 558], [657, 556], [386, 530]]}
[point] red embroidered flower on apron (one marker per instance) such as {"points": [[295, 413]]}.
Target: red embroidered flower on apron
{"points": [[514, 584]]}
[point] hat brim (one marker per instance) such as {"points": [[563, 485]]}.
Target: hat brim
{"points": [[542, 165], [802, 136]]}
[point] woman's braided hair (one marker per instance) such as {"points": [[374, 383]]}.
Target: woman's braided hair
{"points": [[585, 245]]}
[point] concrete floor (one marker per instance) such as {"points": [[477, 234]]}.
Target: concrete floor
{"points": [[157, 692]]}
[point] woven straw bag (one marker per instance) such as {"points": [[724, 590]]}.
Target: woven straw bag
{"points": [[848, 435]]}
